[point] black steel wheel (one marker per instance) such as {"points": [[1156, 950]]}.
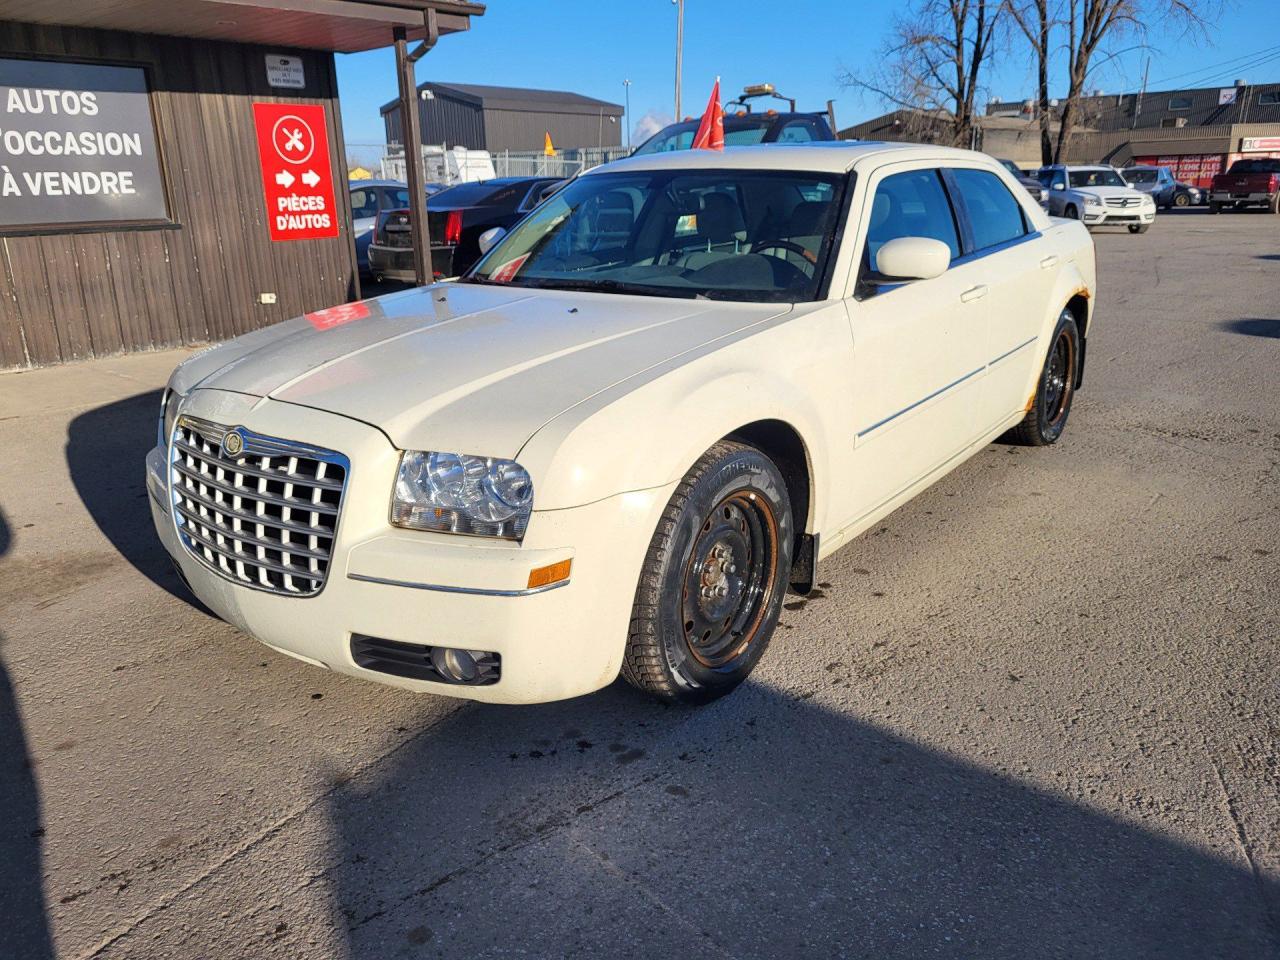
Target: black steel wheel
{"points": [[713, 581], [1047, 415]]}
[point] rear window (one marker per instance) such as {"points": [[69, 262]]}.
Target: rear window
{"points": [[481, 194], [1256, 166]]}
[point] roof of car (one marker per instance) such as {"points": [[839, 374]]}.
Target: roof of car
{"points": [[357, 184], [825, 156]]}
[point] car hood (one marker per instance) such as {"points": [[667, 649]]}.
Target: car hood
{"points": [[463, 367]]}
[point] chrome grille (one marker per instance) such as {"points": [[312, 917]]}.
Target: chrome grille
{"points": [[1123, 201], [257, 510]]}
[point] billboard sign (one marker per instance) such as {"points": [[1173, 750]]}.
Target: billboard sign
{"points": [[1259, 144], [297, 176], [77, 145]]}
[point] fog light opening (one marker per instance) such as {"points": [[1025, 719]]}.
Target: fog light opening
{"points": [[458, 666]]}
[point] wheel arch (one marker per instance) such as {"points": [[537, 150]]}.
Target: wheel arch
{"points": [[1079, 307], [782, 443]]}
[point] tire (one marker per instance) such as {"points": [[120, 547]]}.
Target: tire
{"points": [[1215, 207], [1071, 213], [1181, 200], [1139, 227], [1047, 416], [698, 625]]}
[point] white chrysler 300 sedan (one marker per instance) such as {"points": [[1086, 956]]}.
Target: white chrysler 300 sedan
{"points": [[643, 417]]}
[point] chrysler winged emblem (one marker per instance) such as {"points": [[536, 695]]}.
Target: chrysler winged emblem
{"points": [[233, 443]]}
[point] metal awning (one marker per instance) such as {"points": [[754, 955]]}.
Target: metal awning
{"points": [[343, 26]]}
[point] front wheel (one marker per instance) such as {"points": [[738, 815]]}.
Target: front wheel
{"points": [[1071, 213], [1047, 416], [713, 581], [1182, 200], [1138, 227]]}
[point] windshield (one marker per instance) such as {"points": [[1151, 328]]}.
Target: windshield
{"points": [[679, 136], [723, 234], [1141, 176], [1096, 178]]}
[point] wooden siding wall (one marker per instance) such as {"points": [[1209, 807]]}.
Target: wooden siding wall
{"points": [[69, 296]]}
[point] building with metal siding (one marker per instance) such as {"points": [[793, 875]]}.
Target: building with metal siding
{"points": [[1177, 109], [508, 118]]}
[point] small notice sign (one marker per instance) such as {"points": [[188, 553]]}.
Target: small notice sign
{"points": [[285, 72], [297, 177]]}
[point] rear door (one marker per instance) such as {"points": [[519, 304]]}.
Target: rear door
{"points": [[1004, 253], [917, 346]]}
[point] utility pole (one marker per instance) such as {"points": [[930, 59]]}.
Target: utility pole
{"points": [[626, 110], [1137, 107], [679, 51]]}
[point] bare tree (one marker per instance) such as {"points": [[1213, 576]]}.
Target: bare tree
{"points": [[1091, 23], [934, 63], [1036, 19]]}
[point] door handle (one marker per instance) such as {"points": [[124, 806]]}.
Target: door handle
{"points": [[974, 293], [1049, 261]]}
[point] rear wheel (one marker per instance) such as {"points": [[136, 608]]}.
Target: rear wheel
{"points": [[713, 580], [1047, 416]]}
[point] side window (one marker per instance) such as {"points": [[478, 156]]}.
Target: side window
{"points": [[995, 215], [911, 204], [364, 203], [797, 131]]}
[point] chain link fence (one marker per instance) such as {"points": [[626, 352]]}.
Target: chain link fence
{"points": [[449, 165]]}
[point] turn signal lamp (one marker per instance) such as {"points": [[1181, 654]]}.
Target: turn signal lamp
{"points": [[552, 573]]}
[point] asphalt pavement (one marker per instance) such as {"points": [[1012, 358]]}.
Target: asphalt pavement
{"points": [[1032, 714]]}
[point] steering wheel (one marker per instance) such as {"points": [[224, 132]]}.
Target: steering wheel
{"points": [[808, 265]]}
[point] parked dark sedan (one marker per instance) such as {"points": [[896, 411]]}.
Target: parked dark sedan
{"points": [[1034, 187], [455, 219]]}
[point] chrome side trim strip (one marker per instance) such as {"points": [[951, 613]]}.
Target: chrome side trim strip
{"points": [[908, 409], [470, 591], [973, 373], [1010, 353]]}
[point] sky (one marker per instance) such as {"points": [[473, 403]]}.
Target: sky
{"points": [[801, 46]]}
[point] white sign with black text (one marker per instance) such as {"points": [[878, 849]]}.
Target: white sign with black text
{"points": [[286, 72]]}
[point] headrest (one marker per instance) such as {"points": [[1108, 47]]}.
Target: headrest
{"points": [[720, 220], [808, 218]]}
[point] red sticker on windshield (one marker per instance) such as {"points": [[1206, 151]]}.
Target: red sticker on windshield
{"points": [[508, 270]]}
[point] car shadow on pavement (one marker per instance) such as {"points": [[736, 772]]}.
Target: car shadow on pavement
{"points": [[106, 457], [1268, 256], [1254, 327], [765, 825], [24, 922]]}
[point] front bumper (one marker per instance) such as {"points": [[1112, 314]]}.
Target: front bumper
{"points": [[400, 585], [396, 263], [1117, 216]]}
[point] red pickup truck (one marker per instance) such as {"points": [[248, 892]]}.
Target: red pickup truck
{"points": [[1249, 183]]}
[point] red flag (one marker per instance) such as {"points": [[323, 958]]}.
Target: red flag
{"points": [[710, 134]]}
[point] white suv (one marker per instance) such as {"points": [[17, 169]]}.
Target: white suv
{"points": [[1098, 195]]}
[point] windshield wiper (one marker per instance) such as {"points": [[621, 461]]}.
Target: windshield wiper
{"points": [[604, 285]]}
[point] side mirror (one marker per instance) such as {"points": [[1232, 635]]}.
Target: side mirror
{"points": [[489, 239], [913, 258], [1059, 185]]}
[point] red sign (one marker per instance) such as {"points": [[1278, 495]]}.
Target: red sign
{"points": [[293, 149]]}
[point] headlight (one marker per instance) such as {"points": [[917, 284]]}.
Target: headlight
{"points": [[170, 402], [457, 493], [1090, 201]]}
